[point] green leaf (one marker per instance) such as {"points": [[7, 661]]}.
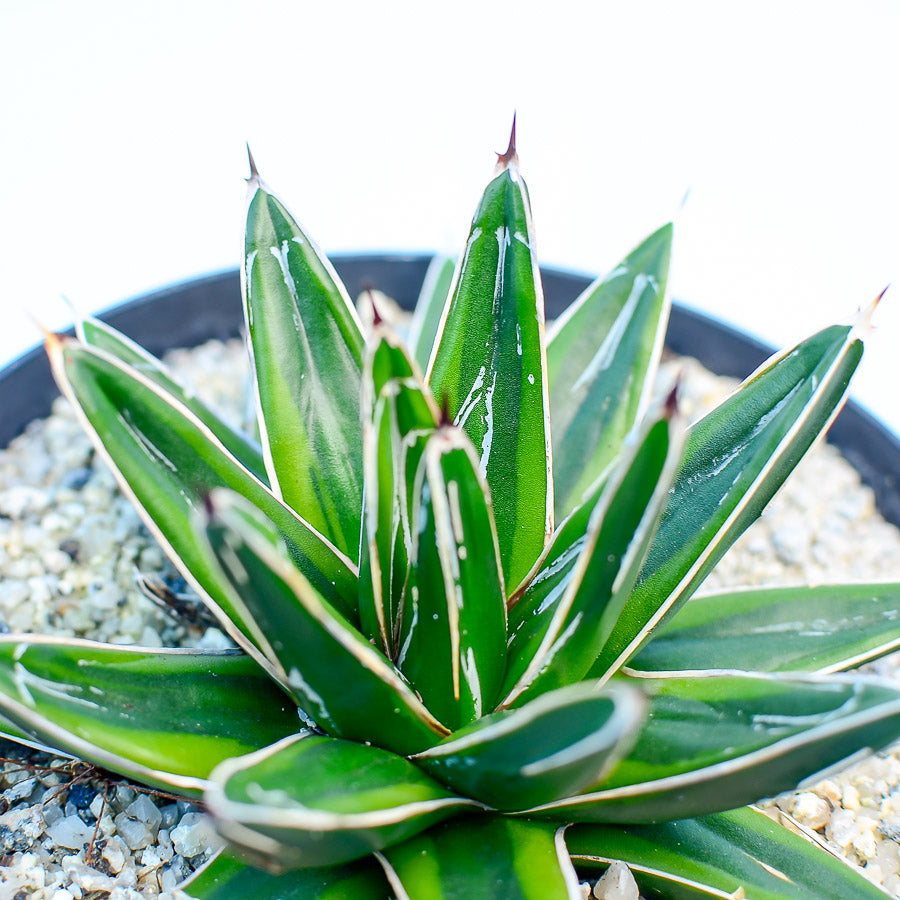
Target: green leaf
{"points": [[736, 457], [166, 461], [489, 365], [398, 415], [426, 319], [719, 856], [719, 741], [483, 856], [602, 354], [553, 747], [452, 645], [9, 731], [555, 567], [98, 334], [307, 353], [312, 800], [819, 628], [570, 611], [224, 878], [343, 683], [153, 715]]}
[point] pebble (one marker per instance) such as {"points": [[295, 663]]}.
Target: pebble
{"points": [[115, 852], [69, 548], [20, 828], [616, 883], [192, 835], [19, 791], [135, 833], [71, 831]]}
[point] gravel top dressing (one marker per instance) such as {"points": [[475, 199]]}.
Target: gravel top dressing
{"points": [[70, 550]]}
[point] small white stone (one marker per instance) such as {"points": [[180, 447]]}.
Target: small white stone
{"points": [[134, 832], [841, 829], [791, 542], [89, 879], [887, 857], [150, 637], [34, 871], [850, 798], [71, 832], [214, 639], [144, 810], [55, 561], [125, 795], [617, 883], [874, 872], [115, 853], [864, 844], [17, 501], [150, 858], [192, 835], [52, 813], [811, 810], [168, 880], [20, 828], [20, 791], [97, 804]]}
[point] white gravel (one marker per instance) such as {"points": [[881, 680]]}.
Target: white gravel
{"points": [[70, 546]]}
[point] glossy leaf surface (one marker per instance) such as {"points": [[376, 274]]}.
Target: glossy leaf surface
{"points": [[719, 741], [484, 856], [563, 621], [307, 354], [227, 879], [741, 853], [452, 643], [167, 461], [10, 731], [553, 571], [818, 628], [550, 748], [601, 357], [246, 451], [312, 800], [489, 366], [426, 319], [154, 715], [399, 414], [343, 683], [735, 459]]}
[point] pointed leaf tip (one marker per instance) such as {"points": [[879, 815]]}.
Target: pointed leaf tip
{"points": [[504, 160], [52, 340], [377, 318], [445, 418], [254, 172], [671, 404], [209, 507], [863, 325]]}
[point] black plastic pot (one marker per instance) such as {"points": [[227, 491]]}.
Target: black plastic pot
{"points": [[199, 310]]}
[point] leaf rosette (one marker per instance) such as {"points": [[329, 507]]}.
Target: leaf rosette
{"points": [[460, 578]]}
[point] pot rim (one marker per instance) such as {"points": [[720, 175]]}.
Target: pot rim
{"points": [[214, 300]]}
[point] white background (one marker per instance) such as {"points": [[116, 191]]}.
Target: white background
{"points": [[123, 128]]}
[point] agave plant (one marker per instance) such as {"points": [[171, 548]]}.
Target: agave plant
{"points": [[469, 666]]}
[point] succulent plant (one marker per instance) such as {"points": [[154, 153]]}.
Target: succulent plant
{"points": [[469, 666]]}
